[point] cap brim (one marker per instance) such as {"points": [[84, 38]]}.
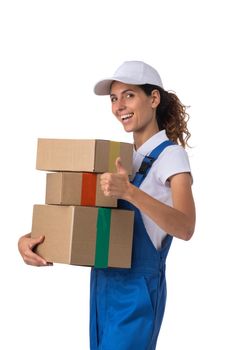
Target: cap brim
{"points": [[103, 86]]}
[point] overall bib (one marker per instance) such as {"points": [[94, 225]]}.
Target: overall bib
{"points": [[127, 305]]}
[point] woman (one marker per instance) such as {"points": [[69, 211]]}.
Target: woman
{"points": [[127, 305]]}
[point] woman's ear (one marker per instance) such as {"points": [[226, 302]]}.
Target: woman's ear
{"points": [[155, 95]]}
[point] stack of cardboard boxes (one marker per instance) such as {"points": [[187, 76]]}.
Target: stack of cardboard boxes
{"points": [[82, 226]]}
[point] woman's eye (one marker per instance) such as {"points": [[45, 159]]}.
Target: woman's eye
{"points": [[113, 99], [129, 95]]}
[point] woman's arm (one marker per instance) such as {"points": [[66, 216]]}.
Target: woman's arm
{"points": [[178, 220]]}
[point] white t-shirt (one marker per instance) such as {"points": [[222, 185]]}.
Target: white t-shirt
{"points": [[172, 160]]}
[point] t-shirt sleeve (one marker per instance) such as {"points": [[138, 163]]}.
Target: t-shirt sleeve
{"points": [[173, 160]]}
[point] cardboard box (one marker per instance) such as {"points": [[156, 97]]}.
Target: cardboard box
{"points": [[82, 155], [65, 188], [87, 236]]}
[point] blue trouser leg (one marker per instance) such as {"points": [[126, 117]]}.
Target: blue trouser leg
{"points": [[127, 311]]}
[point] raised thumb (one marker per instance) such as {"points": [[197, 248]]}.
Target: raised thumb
{"points": [[119, 167]]}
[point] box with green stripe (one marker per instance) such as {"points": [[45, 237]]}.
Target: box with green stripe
{"points": [[85, 236], [82, 155]]}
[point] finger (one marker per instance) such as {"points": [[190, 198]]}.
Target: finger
{"points": [[35, 241], [119, 167], [105, 177], [106, 189], [34, 259]]}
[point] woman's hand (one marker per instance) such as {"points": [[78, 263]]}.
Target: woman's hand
{"points": [[26, 244], [116, 184]]}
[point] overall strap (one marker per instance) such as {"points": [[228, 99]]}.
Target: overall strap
{"points": [[148, 161]]}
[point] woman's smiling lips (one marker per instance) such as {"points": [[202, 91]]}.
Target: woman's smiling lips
{"points": [[125, 117]]}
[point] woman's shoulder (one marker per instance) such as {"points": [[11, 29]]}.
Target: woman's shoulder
{"points": [[173, 160]]}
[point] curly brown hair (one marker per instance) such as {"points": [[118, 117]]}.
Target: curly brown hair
{"points": [[171, 115]]}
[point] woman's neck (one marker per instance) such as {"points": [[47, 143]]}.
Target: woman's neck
{"points": [[141, 138]]}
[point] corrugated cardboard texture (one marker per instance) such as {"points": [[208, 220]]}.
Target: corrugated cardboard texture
{"points": [[65, 188], [71, 231], [64, 154], [120, 244], [82, 155], [56, 224], [126, 154], [101, 156], [84, 237]]}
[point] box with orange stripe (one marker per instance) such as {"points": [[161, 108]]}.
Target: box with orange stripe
{"points": [[86, 236], [65, 188]]}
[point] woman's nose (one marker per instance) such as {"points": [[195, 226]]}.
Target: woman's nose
{"points": [[120, 105]]}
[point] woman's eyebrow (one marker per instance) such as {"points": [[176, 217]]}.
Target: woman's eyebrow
{"points": [[123, 92]]}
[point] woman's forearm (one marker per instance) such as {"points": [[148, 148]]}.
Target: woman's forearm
{"points": [[171, 220]]}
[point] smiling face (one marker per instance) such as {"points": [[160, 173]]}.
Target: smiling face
{"points": [[135, 110]]}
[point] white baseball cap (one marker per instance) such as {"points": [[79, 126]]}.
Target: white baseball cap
{"points": [[130, 72]]}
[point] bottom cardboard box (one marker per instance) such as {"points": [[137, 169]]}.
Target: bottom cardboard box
{"points": [[86, 236]]}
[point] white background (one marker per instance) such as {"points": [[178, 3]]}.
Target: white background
{"points": [[51, 54]]}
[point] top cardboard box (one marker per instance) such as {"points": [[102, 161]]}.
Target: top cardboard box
{"points": [[82, 155]]}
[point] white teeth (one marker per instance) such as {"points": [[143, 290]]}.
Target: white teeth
{"points": [[126, 116]]}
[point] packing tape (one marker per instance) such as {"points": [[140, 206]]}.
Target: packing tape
{"points": [[114, 152], [88, 194], [102, 237]]}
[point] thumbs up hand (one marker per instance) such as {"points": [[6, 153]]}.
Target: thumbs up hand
{"points": [[119, 167], [116, 184]]}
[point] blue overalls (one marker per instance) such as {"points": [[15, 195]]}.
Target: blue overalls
{"points": [[127, 305]]}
